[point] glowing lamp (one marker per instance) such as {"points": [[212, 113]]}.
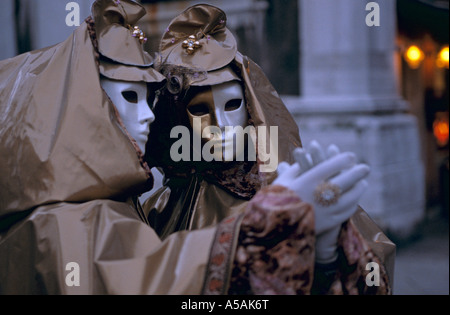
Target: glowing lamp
{"points": [[442, 59], [414, 56], [440, 131]]}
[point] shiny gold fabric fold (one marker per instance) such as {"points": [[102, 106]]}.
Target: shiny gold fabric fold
{"points": [[194, 205], [113, 20], [208, 25], [129, 73], [70, 178], [56, 124], [115, 251], [377, 240]]}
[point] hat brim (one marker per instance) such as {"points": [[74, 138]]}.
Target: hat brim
{"points": [[216, 77], [123, 72]]}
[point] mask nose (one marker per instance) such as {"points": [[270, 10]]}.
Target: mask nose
{"points": [[146, 114], [220, 119]]}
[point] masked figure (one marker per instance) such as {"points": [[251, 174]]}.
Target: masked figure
{"points": [[218, 87], [74, 119], [210, 174]]}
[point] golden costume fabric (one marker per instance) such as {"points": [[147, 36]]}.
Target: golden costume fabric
{"points": [[70, 174]]}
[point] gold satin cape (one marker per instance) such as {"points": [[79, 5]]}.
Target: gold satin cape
{"points": [[69, 174]]}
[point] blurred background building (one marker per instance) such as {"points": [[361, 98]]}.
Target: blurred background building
{"points": [[378, 90]]}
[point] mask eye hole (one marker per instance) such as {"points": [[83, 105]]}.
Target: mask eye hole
{"points": [[130, 96], [233, 105], [198, 109]]}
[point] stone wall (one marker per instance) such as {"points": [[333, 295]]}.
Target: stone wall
{"points": [[350, 98], [8, 34]]}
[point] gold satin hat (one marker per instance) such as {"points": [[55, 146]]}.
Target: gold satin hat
{"points": [[120, 42], [199, 39]]}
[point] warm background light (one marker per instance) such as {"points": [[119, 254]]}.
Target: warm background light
{"points": [[414, 56], [442, 60], [441, 131]]}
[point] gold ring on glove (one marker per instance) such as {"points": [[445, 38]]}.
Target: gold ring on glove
{"points": [[327, 194]]}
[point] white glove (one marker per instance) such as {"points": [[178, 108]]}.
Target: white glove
{"points": [[314, 168]]}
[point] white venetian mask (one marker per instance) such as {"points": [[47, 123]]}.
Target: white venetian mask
{"points": [[131, 101]]}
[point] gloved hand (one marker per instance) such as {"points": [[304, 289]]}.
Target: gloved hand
{"points": [[314, 168]]}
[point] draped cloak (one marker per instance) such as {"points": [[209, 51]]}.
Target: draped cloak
{"points": [[70, 173]]}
